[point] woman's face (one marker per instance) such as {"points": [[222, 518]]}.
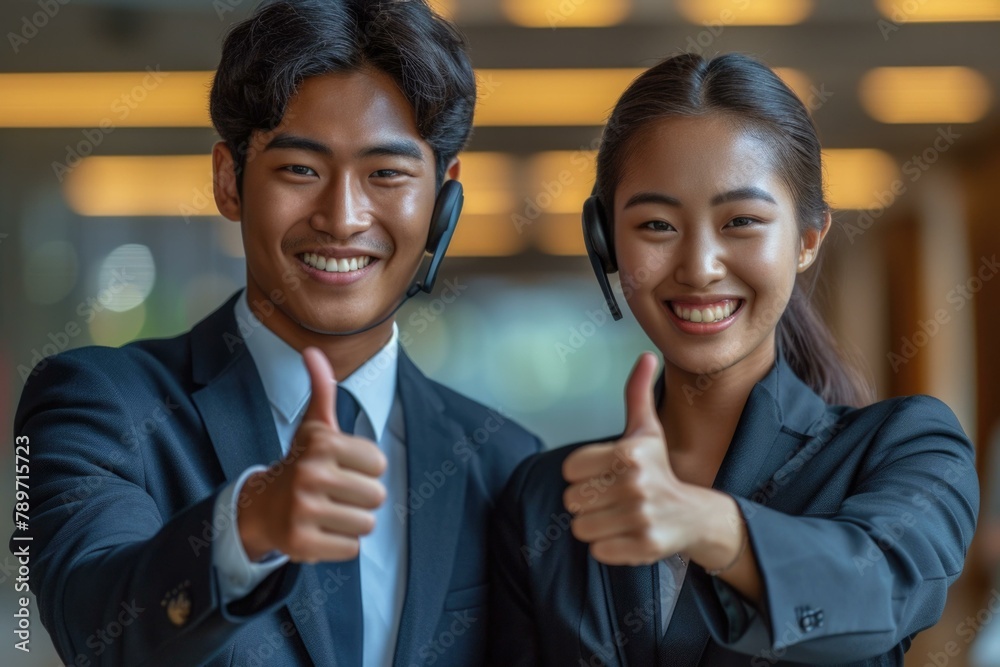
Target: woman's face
{"points": [[707, 242]]}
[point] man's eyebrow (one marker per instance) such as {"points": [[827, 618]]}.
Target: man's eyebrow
{"points": [[652, 198], [739, 194], [397, 148], [296, 142]]}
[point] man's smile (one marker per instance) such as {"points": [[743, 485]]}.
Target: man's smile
{"points": [[337, 270], [334, 264]]}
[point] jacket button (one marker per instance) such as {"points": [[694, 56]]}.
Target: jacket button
{"points": [[809, 618], [177, 604]]}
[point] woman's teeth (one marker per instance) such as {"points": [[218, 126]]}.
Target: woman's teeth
{"points": [[333, 265], [710, 313]]}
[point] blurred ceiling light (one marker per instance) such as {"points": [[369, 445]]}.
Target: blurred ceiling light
{"points": [[569, 97], [925, 94], [923, 11], [486, 236], [105, 100], [745, 12], [559, 181], [545, 97], [560, 234], [566, 13], [859, 178], [163, 185], [801, 85], [487, 182]]}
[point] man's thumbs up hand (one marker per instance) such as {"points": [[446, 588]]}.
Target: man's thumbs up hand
{"points": [[316, 503], [323, 398]]}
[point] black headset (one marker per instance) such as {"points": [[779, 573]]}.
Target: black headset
{"points": [[444, 220], [599, 239]]}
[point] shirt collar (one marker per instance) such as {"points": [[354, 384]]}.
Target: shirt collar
{"points": [[286, 381]]}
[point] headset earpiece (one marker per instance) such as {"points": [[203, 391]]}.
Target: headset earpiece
{"points": [[444, 220], [599, 241]]}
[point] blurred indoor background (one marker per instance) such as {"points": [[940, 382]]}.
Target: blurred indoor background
{"points": [[108, 230]]}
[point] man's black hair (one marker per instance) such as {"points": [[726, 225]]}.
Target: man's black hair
{"points": [[266, 57]]}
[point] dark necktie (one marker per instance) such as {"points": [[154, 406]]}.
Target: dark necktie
{"points": [[344, 603]]}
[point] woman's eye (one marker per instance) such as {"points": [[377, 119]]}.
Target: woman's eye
{"points": [[742, 222], [300, 170], [658, 226]]}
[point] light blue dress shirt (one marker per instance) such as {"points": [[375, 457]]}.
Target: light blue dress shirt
{"points": [[383, 551]]}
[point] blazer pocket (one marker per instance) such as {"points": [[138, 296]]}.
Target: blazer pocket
{"points": [[464, 598]]}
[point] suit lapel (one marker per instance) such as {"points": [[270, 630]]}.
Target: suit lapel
{"points": [[749, 454], [238, 418], [760, 447], [433, 528], [231, 401]]}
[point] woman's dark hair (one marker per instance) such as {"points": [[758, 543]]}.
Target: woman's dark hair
{"points": [[266, 57], [751, 95]]}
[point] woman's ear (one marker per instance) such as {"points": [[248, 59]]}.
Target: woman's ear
{"points": [[227, 195], [812, 239], [454, 170]]}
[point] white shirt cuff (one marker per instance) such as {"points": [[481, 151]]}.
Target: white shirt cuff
{"points": [[237, 574]]}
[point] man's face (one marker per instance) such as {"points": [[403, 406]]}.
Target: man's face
{"points": [[336, 204]]}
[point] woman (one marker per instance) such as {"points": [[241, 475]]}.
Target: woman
{"points": [[756, 510]]}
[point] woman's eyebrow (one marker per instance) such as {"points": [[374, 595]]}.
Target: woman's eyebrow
{"points": [[652, 198], [739, 194]]}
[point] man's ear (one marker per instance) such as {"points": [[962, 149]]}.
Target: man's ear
{"points": [[227, 195], [454, 170], [812, 239]]}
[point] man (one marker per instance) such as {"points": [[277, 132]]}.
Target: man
{"points": [[161, 534]]}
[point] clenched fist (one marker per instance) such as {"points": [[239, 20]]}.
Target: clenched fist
{"points": [[317, 503]]}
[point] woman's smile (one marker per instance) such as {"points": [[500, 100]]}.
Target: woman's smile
{"points": [[709, 317]]}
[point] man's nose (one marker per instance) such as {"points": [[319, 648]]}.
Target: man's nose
{"points": [[343, 210]]}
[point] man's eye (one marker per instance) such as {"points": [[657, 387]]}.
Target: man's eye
{"points": [[386, 173], [300, 170], [658, 226]]}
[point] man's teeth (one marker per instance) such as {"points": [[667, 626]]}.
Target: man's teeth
{"points": [[714, 313], [333, 265]]}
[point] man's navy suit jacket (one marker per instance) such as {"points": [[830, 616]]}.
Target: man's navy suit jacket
{"points": [[130, 448], [859, 520]]}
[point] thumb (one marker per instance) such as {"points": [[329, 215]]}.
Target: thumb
{"points": [[324, 388], [640, 413]]}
